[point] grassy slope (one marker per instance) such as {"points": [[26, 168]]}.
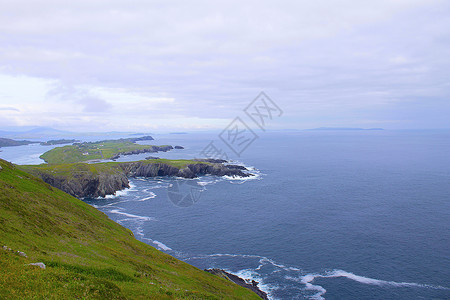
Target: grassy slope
{"points": [[98, 150], [68, 170], [87, 255]]}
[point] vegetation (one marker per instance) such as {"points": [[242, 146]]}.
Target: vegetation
{"points": [[87, 255], [69, 169], [58, 142], [87, 151]]}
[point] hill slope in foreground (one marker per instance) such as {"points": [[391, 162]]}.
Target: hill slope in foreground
{"points": [[86, 254]]}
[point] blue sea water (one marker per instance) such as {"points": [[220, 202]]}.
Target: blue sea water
{"points": [[329, 214]]}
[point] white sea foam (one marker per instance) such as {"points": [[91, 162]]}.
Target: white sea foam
{"points": [[121, 193], [152, 195], [131, 216], [205, 183], [241, 179], [250, 275], [309, 278], [161, 245]]}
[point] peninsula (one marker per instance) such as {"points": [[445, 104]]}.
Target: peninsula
{"points": [[107, 149], [101, 179], [53, 245]]}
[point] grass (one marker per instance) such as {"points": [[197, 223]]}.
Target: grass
{"points": [[68, 170], [88, 256], [80, 152]]}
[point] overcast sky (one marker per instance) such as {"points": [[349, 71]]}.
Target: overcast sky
{"points": [[166, 65]]}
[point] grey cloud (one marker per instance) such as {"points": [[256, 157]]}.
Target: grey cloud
{"points": [[94, 105], [317, 58]]}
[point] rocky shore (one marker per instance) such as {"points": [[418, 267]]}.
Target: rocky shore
{"points": [[99, 180], [251, 285]]}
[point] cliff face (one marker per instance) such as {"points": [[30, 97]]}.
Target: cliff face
{"points": [[194, 170], [98, 180], [87, 184], [141, 169]]}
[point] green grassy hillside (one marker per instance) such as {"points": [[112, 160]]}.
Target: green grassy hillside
{"points": [[68, 169], [80, 152], [87, 255]]}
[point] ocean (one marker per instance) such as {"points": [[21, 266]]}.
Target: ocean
{"points": [[327, 214]]}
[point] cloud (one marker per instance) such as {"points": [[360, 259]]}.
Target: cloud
{"points": [[202, 60], [94, 105]]}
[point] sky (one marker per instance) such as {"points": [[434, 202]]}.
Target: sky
{"points": [[109, 65]]}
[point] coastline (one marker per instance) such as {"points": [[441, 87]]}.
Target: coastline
{"points": [[251, 285]]}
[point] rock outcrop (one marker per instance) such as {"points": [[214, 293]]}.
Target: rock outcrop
{"points": [[195, 170], [38, 264], [83, 184], [142, 169], [98, 180], [251, 285]]}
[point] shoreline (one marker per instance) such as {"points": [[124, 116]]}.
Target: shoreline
{"points": [[251, 285]]}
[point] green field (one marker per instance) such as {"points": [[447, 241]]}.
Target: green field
{"points": [[88, 256], [80, 152]]}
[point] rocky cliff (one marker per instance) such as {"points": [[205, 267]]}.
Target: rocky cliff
{"points": [[84, 182], [98, 180]]}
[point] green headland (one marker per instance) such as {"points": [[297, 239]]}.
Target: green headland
{"points": [[87, 255], [107, 149]]}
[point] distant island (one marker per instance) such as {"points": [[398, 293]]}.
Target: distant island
{"points": [[344, 128], [12, 143]]}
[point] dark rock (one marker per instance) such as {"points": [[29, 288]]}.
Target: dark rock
{"points": [[253, 286], [152, 157], [140, 169], [179, 147], [237, 167], [87, 184], [82, 182]]}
